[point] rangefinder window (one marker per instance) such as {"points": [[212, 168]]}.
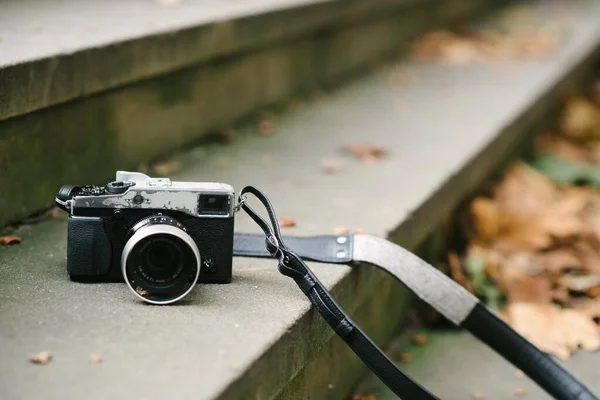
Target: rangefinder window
{"points": [[213, 204]]}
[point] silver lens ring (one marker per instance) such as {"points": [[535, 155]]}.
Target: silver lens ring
{"points": [[153, 230]]}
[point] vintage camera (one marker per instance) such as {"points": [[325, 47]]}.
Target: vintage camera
{"points": [[158, 235]]}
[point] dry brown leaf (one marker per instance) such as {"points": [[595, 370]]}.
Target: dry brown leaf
{"points": [[96, 358], [520, 392], [486, 217], [587, 307], [559, 260], [365, 152], [520, 286], [43, 357], [519, 374], [455, 48], [10, 239], [363, 396], [556, 331], [456, 271], [537, 323], [419, 339], [581, 119], [166, 168], [589, 256], [265, 125], [520, 233], [524, 191], [340, 230], [286, 222], [593, 292], [404, 357], [331, 165], [580, 330], [551, 143]]}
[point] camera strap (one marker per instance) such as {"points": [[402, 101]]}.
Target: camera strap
{"points": [[442, 293]]}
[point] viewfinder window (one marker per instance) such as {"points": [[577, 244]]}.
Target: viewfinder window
{"points": [[213, 204]]}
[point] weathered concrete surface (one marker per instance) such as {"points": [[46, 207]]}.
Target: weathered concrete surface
{"points": [[55, 51], [121, 128], [455, 365], [251, 338]]}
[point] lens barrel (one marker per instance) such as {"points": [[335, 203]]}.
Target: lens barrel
{"points": [[160, 261]]}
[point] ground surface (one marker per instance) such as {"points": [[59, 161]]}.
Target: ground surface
{"points": [[454, 365]]}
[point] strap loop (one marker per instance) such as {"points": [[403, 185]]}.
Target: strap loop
{"points": [[291, 265]]}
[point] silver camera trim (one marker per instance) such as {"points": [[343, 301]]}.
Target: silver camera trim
{"points": [[156, 194], [143, 233]]}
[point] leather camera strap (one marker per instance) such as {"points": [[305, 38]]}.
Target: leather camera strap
{"points": [[449, 298]]}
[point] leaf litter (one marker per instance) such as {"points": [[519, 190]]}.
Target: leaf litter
{"points": [[516, 35], [533, 250]]}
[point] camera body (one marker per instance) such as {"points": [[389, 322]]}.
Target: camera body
{"points": [[153, 232]]}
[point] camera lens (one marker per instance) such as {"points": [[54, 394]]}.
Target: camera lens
{"points": [[160, 261]]}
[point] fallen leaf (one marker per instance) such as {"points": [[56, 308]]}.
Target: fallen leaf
{"points": [[519, 374], [363, 396], [587, 307], [486, 44], [365, 152], [593, 292], [537, 323], [521, 286], [286, 222], [556, 331], [551, 143], [478, 396], [56, 212], [404, 357], [486, 217], [558, 261], [580, 119], [456, 271], [42, 358], [520, 392], [166, 168], [96, 358], [524, 191], [265, 125], [419, 339], [340, 230], [331, 165], [10, 239], [580, 330]]}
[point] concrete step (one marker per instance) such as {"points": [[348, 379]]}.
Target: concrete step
{"points": [[456, 366], [112, 86], [446, 129]]}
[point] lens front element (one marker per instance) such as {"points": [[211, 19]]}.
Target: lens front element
{"points": [[160, 261]]}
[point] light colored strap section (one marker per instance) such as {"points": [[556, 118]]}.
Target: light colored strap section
{"points": [[431, 285]]}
